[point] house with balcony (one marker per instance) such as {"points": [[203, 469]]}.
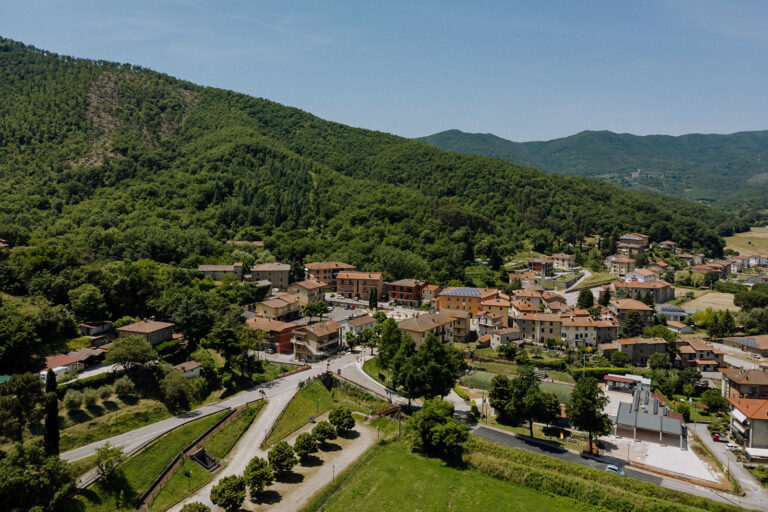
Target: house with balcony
{"points": [[659, 291], [632, 243], [541, 266], [564, 261], [279, 306], [279, 333], [314, 342], [326, 271], [620, 307], [620, 265], [465, 299], [308, 291], [407, 292], [749, 424], [359, 284], [699, 354], [743, 383], [539, 327], [638, 349]]}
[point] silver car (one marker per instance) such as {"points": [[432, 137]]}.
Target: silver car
{"points": [[612, 468]]}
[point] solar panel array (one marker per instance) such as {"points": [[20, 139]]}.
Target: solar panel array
{"points": [[467, 292], [746, 341]]}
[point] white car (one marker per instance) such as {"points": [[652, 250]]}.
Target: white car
{"points": [[612, 468], [732, 446]]}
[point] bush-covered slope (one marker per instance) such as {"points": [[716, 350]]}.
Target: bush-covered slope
{"points": [[111, 161], [695, 166]]}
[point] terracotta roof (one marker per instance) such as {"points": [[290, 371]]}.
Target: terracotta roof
{"points": [[563, 255], [456, 313], [524, 305], [751, 408], [616, 378], [641, 341], [644, 272], [542, 317], [687, 349], [622, 259], [188, 366], [742, 376], [57, 360], [425, 322], [145, 327], [496, 302], [432, 287], [676, 325], [328, 265], [362, 320], [310, 284], [484, 338], [506, 330], [408, 283], [697, 344], [527, 293], [322, 328], [280, 302], [271, 267], [376, 276], [630, 304], [268, 325], [84, 353]]}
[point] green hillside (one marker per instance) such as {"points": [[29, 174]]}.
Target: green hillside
{"points": [[107, 162], [696, 166]]}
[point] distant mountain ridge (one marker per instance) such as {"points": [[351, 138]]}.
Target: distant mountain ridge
{"points": [[703, 167]]}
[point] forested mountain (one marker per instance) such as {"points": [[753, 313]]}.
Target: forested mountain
{"points": [[102, 161], [700, 167]]}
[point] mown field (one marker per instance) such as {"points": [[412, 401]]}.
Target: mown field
{"points": [[492, 477], [754, 241], [714, 300]]}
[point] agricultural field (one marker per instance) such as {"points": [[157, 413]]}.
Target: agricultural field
{"points": [[714, 300], [754, 241], [597, 278]]}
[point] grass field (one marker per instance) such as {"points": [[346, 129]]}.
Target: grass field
{"points": [[714, 300], [391, 477], [597, 278], [141, 469], [371, 367], [190, 476], [482, 380], [314, 400], [754, 241]]}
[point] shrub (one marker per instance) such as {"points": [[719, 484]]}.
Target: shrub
{"points": [[90, 397], [305, 446], [463, 394], [73, 400], [281, 458], [124, 386], [323, 432], [229, 493], [342, 420], [258, 474], [105, 391], [195, 507]]}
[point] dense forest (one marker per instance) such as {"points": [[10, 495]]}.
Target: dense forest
{"points": [[117, 179], [702, 167]]}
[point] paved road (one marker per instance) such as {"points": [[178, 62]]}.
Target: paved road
{"points": [[134, 440], [96, 370], [509, 439]]}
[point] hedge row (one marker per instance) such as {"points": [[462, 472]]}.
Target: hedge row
{"points": [[601, 372], [95, 381], [582, 483]]}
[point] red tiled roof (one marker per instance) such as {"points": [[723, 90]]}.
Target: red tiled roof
{"points": [[751, 408], [57, 360], [145, 326]]}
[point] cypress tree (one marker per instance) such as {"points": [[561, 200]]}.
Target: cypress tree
{"points": [[51, 434]]}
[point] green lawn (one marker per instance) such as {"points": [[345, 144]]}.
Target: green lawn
{"points": [[140, 470], [371, 367], [191, 476], [391, 477], [573, 443], [761, 473], [482, 380], [314, 400], [597, 278]]}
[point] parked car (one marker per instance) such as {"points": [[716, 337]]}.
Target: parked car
{"points": [[351, 307], [612, 468], [721, 438], [732, 446]]}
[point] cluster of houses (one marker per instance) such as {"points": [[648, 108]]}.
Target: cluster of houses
{"points": [[747, 391], [101, 335]]}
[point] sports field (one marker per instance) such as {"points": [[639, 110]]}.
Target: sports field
{"points": [[754, 241], [714, 300]]}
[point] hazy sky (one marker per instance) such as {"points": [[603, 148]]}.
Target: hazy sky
{"points": [[521, 70]]}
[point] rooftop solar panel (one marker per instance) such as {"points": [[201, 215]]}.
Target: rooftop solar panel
{"points": [[469, 292]]}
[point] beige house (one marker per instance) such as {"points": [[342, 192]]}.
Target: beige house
{"points": [[620, 265], [461, 325], [565, 261], [283, 306], [420, 326], [217, 272], [620, 307], [152, 331], [359, 284], [638, 349], [499, 306], [190, 369], [660, 291], [539, 326], [326, 271], [307, 291], [278, 274], [632, 243], [586, 331], [317, 341]]}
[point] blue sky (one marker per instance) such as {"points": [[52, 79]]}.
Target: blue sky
{"points": [[521, 70]]}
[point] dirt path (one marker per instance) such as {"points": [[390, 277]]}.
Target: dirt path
{"points": [[292, 496]]}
